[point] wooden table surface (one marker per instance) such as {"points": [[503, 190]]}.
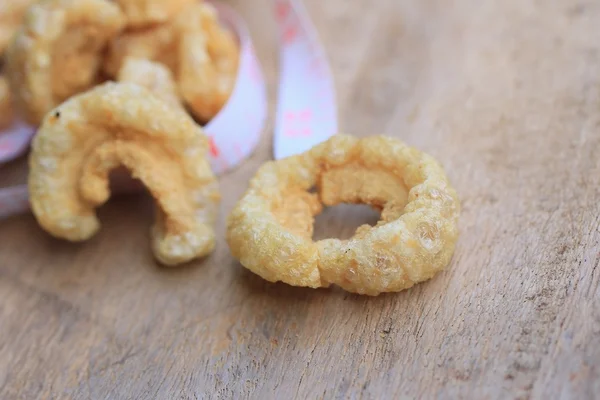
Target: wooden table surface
{"points": [[506, 94]]}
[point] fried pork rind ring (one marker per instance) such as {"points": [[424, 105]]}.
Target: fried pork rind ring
{"points": [[141, 13], [11, 15], [208, 61], [153, 76], [270, 229], [57, 52], [123, 124], [6, 106]]}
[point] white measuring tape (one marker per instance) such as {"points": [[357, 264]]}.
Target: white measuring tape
{"points": [[306, 105]]}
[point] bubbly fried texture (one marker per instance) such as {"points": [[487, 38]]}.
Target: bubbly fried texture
{"points": [[208, 61], [202, 55], [11, 15], [123, 124], [153, 76], [57, 52], [142, 13], [6, 107], [414, 239], [155, 43]]}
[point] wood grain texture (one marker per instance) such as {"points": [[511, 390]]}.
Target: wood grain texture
{"points": [[505, 93]]}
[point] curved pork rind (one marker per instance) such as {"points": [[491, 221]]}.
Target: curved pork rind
{"points": [[123, 124], [415, 238], [141, 13], [11, 16], [57, 52], [208, 61], [202, 55]]}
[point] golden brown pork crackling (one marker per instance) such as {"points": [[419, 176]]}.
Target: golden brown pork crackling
{"points": [[6, 104], [202, 54], [124, 124], [143, 13], [153, 76], [11, 16], [270, 229], [57, 52]]}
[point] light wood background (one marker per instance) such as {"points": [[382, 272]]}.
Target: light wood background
{"points": [[505, 93]]}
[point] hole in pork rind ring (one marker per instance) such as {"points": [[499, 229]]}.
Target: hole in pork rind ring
{"points": [[57, 52], [123, 124], [415, 238]]}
